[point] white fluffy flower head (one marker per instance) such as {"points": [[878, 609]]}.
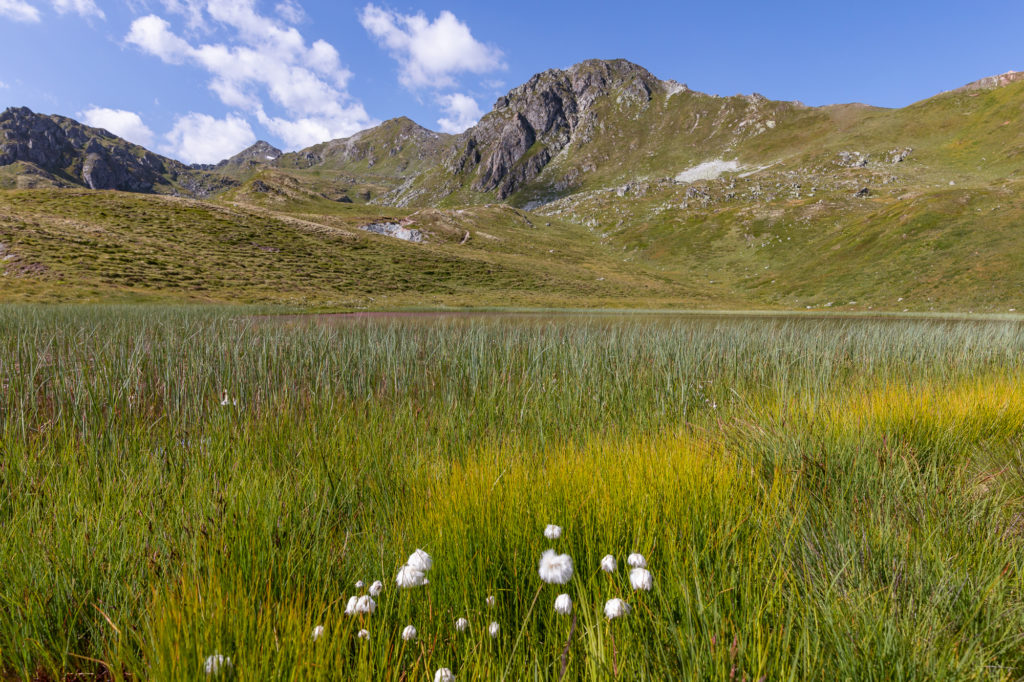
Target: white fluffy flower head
{"points": [[350, 607], [563, 604], [491, 601], [640, 579], [637, 561], [365, 604], [493, 629], [420, 561], [364, 634], [555, 568], [410, 577], [444, 675], [553, 532], [216, 664], [409, 633], [375, 588], [615, 608], [461, 624], [359, 584], [608, 564], [318, 632]]}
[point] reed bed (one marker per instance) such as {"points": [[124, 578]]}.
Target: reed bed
{"points": [[813, 498]]}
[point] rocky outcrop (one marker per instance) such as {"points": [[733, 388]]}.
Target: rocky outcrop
{"points": [[396, 230], [530, 125], [992, 82], [92, 157]]}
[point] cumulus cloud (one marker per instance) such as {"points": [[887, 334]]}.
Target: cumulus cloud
{"points": [[264, 59], [462, 112], [200, 138], [154, 35], [18, 10], [429, 52], [126, 124], [85, 8]]}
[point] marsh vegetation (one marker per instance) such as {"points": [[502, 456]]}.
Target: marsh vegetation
{"points": [[813, 499]]}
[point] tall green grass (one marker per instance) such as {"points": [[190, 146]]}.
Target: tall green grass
{"points": [[817, 499]]}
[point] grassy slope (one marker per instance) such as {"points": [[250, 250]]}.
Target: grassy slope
{"points": [[72, 245]]}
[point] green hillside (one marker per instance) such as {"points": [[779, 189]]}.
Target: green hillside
{"points": [[599, 185]]}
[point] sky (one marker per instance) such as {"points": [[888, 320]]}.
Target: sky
{"points": [[200, 80]]}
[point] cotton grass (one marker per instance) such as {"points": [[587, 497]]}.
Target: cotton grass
{"points": [[615, 608], [554, 568], [640, 579]]}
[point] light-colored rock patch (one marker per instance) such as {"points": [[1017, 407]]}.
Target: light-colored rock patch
{"points": [[709, 170]]}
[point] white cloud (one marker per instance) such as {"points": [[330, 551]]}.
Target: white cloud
{"points": [[85, 8], [429, 52], [18, 10], [199, 138], [463, 112], [154, 35], [290, 11], [3, 86], [126, 124], [190, 9], [264, 60]]}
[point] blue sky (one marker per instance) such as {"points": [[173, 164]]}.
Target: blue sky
{"points": [[199, 80]]}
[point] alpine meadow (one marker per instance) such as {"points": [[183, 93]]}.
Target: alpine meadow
{"points": [[616, 380]]}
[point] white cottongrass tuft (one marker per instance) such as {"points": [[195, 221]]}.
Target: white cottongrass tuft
{"points": [[491, 601], [350, 607], [444, 675], [318, 632], [555, 568], [615, 608], [420, 561], [216, 664], [409, 633], [553, 532], [640, 579], [376, 587], [410, 577], [364, 634], [365, 604], [637, 561], [608, 564], [493, 629], [563, 604], [359, 584], [461, 624]]}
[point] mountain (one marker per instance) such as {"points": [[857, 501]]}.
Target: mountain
{"points": [[39, 150], [602, 125], [643, 191]]}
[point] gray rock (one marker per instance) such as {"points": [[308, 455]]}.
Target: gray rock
{"points": [[535, 121]]}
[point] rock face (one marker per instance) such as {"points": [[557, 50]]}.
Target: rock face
{"points": [[89, 156], [530, 125]]}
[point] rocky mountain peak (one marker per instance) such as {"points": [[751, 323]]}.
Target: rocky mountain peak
{"points": [[68, 149], [533, 122], [260, 152]]}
